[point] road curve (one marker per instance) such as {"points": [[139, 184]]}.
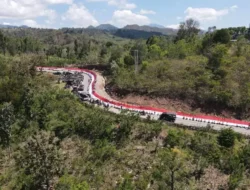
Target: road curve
{"points": [[90, 80]]}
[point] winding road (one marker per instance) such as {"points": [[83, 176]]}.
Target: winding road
{"points": [[94, 86]]}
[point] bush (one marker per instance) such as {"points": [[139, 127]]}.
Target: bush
{"points": [[226, 138]]}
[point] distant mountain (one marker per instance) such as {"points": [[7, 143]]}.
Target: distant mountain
{"points": [[24, 26], [12, 26], [107, 27], [156, 25], [135, 34], [90, 27], [165, 31]]}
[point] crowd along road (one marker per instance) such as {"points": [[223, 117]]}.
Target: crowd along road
{"points": [[90, 80]]}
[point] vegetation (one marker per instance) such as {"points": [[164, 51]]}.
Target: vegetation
{"points": [[51, 140]]}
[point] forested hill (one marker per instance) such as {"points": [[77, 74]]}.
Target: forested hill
{"points": [[199, 70], [129, 31], [49, 139]]}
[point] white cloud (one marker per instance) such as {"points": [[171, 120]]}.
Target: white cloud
{"points": [[6, 23], [31, 23], [234, 7], [80, 16], [51, 14], [174, 26], [179, 18], [59, 1], [147, 12], [205, 14], [14, 9], [28, 9], [125, 17], [121, 4]]}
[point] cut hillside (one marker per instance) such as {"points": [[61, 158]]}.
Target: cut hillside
{"points": [[172, 104]]}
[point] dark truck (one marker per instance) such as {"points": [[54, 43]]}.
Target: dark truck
{"points": [[167, 116]]}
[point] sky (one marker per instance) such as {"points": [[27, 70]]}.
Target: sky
{"points": [[82, 13]]}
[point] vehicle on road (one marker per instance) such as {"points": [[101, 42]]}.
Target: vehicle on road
{"points": [[168, 116]]}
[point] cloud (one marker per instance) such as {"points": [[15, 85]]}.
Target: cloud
{"points": [[59, 1], [205, 14], [234, 7], [28, 9], [14, 9], [147, 12], [121, 4], [80, 16], [125, 17], [179, 18], [31, 23], [174, 26]]}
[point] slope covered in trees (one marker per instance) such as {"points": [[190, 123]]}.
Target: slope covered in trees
{"points": [[50, 140], [207, 70]]}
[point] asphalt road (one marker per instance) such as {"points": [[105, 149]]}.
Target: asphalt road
{"points": [[86, 83], [178, 120]]}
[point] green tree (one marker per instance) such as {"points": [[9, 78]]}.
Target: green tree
{"points": [[7, 118], [76, 47], [40, 159], [116, 54], [188, 30], [129, 60], [173, 138], [173, 169], [154, 51], [67, 182], [217, 55], [222, 36], [127, 184], [227, 138], [153, 40], [245, 157], [3, 42]]}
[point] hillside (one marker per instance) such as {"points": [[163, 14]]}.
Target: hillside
{"points": [[107, 27], [165, 31], [49, 139], [89, 148]]}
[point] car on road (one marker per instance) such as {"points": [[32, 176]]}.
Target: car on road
{"points": [[168, 116]]}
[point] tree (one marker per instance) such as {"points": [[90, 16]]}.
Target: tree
{"points": [[153, 40], [216, 57], [154, 51], [142, 50], [245, 157], [127, 183], [109, 44], [247, 36], [67, 182], [116, 54], [173, 138], [129, 60], [188, 30], [173, 169], [40, 159], [227, 138], [222, 36], [3, 41], [207, 41], [76, 47], [7, 118], [68, 52]]}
